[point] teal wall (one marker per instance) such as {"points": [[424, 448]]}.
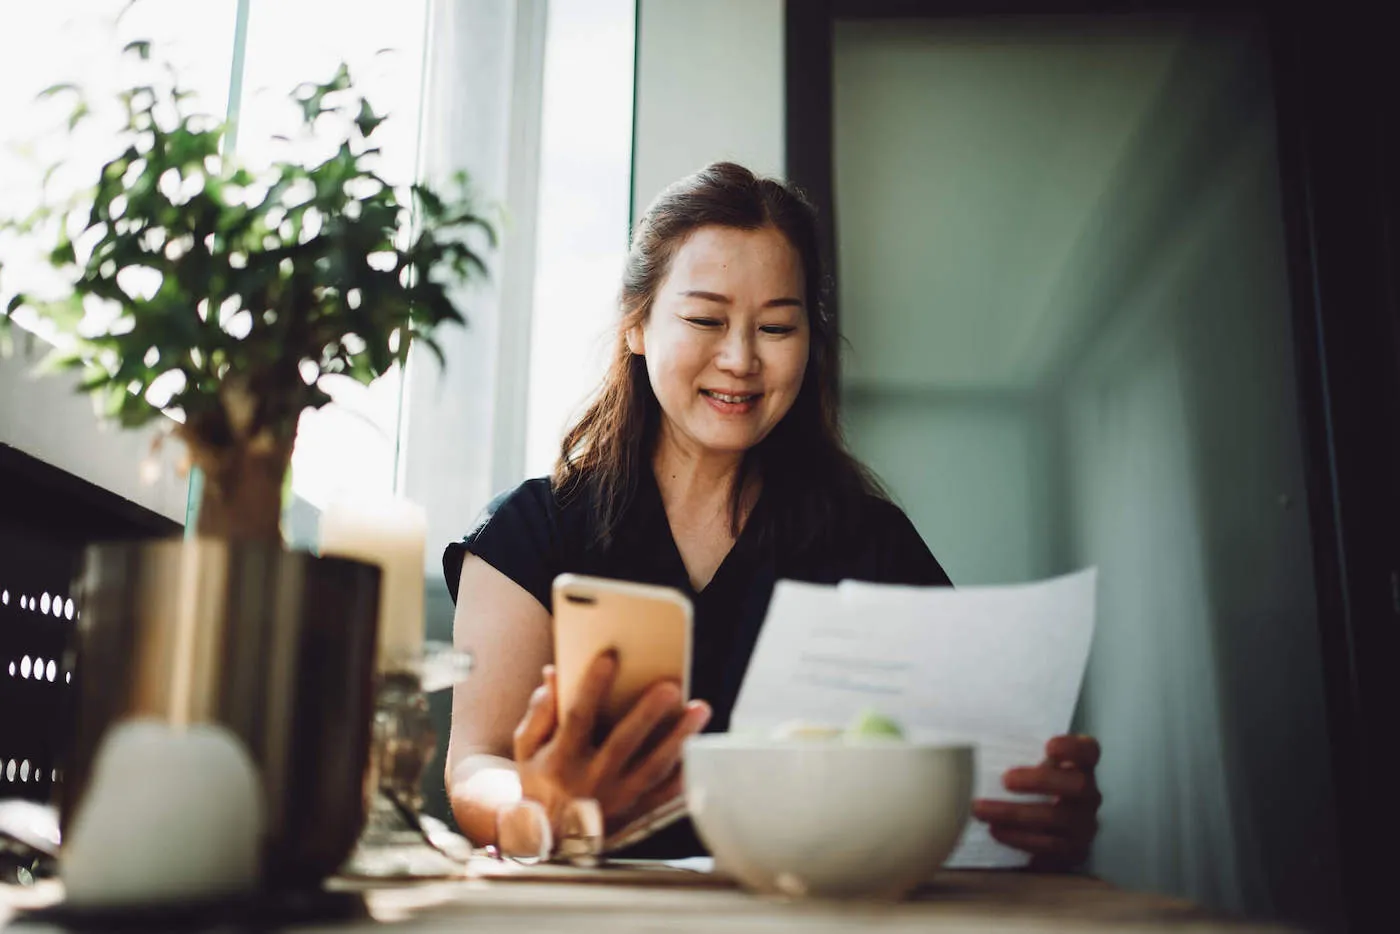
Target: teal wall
{"points": [[1181, 448], [1153, 433]]}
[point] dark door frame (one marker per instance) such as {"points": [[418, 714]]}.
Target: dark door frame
{"points": [[1335, 85]]}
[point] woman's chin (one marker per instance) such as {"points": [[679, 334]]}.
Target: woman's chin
{"points": [[715, 433], [728, 442]]}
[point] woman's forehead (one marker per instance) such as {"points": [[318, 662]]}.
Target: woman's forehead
{"points": [[753, 258]]}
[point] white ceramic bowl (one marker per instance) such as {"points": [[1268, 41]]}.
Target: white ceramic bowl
{"points": [[837, 818]]}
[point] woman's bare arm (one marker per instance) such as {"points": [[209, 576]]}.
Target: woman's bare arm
{"points": [[507, 631]]}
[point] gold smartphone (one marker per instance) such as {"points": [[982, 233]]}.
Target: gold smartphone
{"points": [[648, 626]]}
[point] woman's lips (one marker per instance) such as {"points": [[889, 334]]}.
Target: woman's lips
{"points": [[731, 403]]}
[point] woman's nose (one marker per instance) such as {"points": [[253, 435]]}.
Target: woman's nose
{"points": [[738, 354]]}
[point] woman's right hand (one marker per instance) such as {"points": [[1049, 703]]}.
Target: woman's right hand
{"points": [[558, 761]]}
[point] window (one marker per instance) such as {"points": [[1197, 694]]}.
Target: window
{"points": [[585, 180]]}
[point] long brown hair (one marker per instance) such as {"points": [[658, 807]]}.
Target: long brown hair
{"points": [[803, 461]]}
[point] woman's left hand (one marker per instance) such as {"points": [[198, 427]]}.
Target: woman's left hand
{"points": [[1059, 832]]}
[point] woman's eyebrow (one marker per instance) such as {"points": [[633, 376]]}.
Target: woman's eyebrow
{"points": [[784, 302], [707, 296]]}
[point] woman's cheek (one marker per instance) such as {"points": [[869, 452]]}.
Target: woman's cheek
{"points": [[794, 367]]}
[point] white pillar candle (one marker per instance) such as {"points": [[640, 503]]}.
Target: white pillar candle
{"points": [[389, 532], [170, 815]]}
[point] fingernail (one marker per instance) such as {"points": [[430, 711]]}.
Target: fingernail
{"points": [[700, 715]]}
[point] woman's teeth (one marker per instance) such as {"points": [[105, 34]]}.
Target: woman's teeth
{"points": [[726, 397]]}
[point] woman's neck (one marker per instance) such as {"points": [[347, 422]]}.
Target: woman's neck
{"points": [[692, 481], [697, 492]]}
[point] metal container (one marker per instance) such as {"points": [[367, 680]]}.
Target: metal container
{"points": [[277, 646]]}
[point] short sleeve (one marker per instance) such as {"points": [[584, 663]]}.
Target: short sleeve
{"points": [[518, 535], [900, 555]]}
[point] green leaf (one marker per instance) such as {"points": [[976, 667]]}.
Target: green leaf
{"points": [[59, 88], [436, 350], [341, 80], [80, 112], [367, 121], [63, 254]]}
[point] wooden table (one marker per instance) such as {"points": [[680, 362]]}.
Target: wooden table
{"points": [[958, 901]]}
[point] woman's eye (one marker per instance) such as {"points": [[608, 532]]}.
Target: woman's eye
{"points": [[704, 322], [777, 329]]}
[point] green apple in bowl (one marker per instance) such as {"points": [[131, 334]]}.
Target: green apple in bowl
{"points": [[871, 724]]}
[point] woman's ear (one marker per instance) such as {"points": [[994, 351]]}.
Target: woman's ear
{"points": [[636, 340]]}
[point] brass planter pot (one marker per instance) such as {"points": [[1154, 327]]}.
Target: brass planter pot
{"points": [[276, 646]]}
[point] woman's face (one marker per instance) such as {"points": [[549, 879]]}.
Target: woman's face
{"points": [[727, 339]]}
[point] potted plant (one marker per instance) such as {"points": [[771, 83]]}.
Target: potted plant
{"points": [[230, 293], [235, 292]]}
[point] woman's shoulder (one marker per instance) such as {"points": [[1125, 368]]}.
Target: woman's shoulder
{"points": [[537, 501], [886, 547], [533, 497], [523, 532], [861, 515], [878, 510], [877, 520]]}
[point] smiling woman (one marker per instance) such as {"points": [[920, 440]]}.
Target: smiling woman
{"points": [[748, 247], [726, 365], [710, 461]]}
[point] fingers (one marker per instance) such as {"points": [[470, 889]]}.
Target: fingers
{"points": [[1082, 751], [1036, 818], [1052, 780], [1048, 851], [664, 760], [1056, 837], [671, 786], [539, 720], [523, 830], [658, 703], [1014, 815], [576, 723], [1057, 834]]}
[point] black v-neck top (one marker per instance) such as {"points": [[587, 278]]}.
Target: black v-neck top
{"points": [[530, 536]]}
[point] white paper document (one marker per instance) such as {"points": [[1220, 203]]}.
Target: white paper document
{"points": [[999, 667]]}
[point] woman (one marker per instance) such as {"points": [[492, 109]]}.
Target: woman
{"points": [[711, 460]]}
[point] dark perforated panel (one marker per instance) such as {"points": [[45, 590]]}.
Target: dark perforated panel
{"points": [[36, 624], [47, 517]]}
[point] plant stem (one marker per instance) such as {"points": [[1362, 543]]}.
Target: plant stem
{"points": [[242, 498]]}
